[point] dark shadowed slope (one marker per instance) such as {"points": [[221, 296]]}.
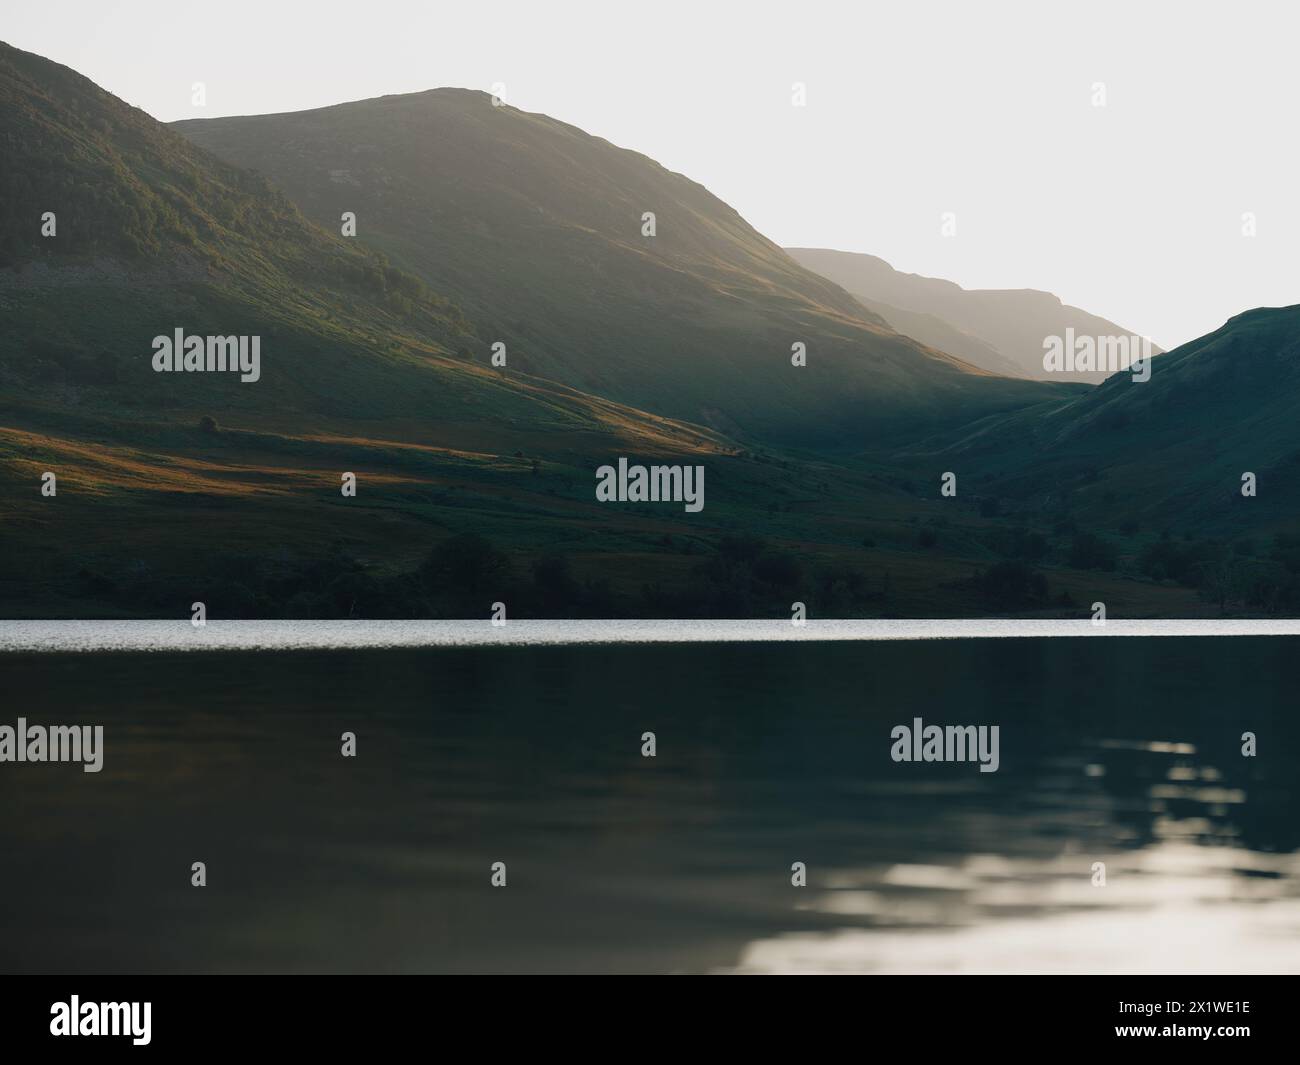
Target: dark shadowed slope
{"points": [[1170, 452], [536, 229], [999, 330]]}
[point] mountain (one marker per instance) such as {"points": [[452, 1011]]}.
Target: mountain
{"points": [[999, 330], [150, 233], [1171, 450], [162, 477], [1190, 478], [131, 492], [536, 229]]}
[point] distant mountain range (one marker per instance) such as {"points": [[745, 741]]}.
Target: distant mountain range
{"points": [[479, 226], [999, 330]]}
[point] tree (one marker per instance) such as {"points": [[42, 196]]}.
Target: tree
{"points": [[1012, 586], [467, 569], [1088, 551]]}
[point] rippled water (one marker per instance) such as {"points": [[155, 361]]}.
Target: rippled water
{"points": [[1126, 752]]}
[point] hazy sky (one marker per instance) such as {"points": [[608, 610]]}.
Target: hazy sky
{"points": [[1132, 210]]}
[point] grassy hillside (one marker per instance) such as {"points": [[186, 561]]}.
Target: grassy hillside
{"points": [[151, 517], [1147, 476], [474, 484], [1000, 330], [164, 473], [154, 234], [535, 228]]}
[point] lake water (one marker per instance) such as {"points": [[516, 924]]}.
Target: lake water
{"points": [[1121, 751]]}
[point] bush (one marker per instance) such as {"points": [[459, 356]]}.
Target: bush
{"points": [[1012, 586], [467, 572], [556, 592], [1021, 543], [1088, 551], [1184, 562], [780, 570]]}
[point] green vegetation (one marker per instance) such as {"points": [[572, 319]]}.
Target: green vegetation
{"points": [[535, 228], [476, 485]]}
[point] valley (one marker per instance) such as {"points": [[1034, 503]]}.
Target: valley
{"points": [[483, 230]]}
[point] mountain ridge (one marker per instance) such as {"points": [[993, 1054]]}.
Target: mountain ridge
{"points": [[473, 480], [539, 229], [993, 328]]}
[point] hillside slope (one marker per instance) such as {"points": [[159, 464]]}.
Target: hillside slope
{"points": [[536, 228], [1172, 450], [163, 476], [152, 234], [473, 484], [1189, 479]]}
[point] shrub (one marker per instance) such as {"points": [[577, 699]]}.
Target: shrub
{"points": [[1088, 551], [1012, 586]]}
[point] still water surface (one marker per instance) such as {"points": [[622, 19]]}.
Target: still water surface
{"points": [[1122, 751]]}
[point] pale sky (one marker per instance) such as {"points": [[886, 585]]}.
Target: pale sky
{"points": [[1132, 210]]}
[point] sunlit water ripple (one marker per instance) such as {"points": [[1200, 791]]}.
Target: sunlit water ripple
{"points": [[1121, 752], [286, 635]]}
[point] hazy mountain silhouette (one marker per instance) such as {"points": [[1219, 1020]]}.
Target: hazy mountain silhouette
{"points": [[999, 330]]}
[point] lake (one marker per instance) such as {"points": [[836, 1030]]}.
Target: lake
{"points": [[770, 750]]}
